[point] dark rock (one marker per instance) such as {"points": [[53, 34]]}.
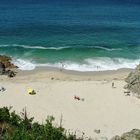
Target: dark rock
{"points": [[6, 66], [11, 74], [52, 78], [7, 61], [2, 68], [98, 131]]}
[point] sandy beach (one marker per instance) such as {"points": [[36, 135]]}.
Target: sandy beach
{"points": [[102, 107]]}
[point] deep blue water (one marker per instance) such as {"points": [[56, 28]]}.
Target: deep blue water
{"points": [[83, 35]]}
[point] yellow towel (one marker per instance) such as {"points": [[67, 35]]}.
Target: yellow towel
{"points": [[30, 90]]}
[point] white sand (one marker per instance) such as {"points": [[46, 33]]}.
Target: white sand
{"points": [[104, 107]]}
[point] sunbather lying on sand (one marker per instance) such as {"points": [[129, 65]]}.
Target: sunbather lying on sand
{"points": [[76, 98]]}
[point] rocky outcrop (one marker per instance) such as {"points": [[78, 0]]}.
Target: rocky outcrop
{"points": [[6, 66], [132, 135], [133, 81], [7, 62]]}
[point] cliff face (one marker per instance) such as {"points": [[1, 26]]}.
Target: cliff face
{"points": [[133, 85], [133, 81], [7, 62]]}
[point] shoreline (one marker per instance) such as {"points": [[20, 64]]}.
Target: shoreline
{"points": [[51, 72]]}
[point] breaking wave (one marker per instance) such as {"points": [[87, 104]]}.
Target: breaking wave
{"points": [[58, 48], [24, 64], [94, 64]]}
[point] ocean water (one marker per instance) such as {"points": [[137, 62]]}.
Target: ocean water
{"points": [[79, 36]]}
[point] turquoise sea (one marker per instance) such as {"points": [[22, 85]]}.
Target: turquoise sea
{"points": [[80, 36]]}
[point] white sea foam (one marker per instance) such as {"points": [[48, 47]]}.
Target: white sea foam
{"points": [[4, 45], [24, 64], [95, 64], [107, 49], [33, 47], [58, 48]]}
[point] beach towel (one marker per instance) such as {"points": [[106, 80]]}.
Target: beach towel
{"points": [[31, 91]]}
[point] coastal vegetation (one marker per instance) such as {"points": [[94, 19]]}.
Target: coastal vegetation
{"points": [[15, 127]]}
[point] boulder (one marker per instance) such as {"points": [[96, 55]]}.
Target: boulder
{"points": [[116, 138], [132, 135], [133, 81], [7, 61]]}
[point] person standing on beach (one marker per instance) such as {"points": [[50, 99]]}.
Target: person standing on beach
{"points": [[113, 84], [62, 66]]}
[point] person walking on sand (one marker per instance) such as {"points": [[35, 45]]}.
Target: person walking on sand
{"points": [[113, 85]]}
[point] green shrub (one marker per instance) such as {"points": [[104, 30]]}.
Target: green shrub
{"points": [[14, 127], [4, 115]]}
